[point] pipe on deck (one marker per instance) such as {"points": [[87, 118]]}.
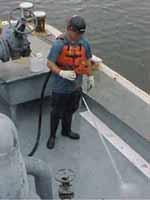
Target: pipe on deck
{"points": [[42, 176]]}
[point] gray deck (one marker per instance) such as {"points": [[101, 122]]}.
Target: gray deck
{"points": [[95, 177]]}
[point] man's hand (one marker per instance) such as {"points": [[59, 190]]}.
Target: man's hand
{"points": [[90, 82], [68, 74]]}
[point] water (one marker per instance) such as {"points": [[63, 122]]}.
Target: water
{"points": [[119, 31]]}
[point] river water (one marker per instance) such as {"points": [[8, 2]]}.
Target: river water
{"points": [[119, 31]]}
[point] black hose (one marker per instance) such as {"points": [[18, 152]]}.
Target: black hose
{"points": [[34, 149]]}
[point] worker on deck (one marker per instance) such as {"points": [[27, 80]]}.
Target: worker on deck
{"points": [[69, 60]]}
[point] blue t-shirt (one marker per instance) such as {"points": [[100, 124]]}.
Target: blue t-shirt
{"points": [[59, 84]]}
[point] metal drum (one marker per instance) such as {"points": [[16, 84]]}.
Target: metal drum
{"points": [[41, 17]]}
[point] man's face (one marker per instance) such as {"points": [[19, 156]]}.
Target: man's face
{"points": [[74, 36]]}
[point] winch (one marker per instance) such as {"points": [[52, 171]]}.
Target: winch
{"points": [[14, 41]]}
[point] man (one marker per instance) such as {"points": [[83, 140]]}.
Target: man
{"points": [[69, 60]]}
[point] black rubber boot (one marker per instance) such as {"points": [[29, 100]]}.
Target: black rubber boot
{"points": [[51, 143], [66, 127], [71, 135], [53, 129]]}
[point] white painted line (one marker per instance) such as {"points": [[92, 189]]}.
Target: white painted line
{"points": [[136, 159]]}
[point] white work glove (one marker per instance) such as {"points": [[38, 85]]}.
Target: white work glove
{"points": [[90, 82], [68, 74]]}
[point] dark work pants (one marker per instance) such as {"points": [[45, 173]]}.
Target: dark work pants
{"points": [[63, 107]]}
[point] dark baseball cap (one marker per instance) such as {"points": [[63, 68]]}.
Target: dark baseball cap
{"points": [[77, 24]]}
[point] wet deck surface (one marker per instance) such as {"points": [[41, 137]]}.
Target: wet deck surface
{"points": [[95, 176]]}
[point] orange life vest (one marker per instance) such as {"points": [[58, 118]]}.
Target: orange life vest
{"points": [[74, 58]]}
